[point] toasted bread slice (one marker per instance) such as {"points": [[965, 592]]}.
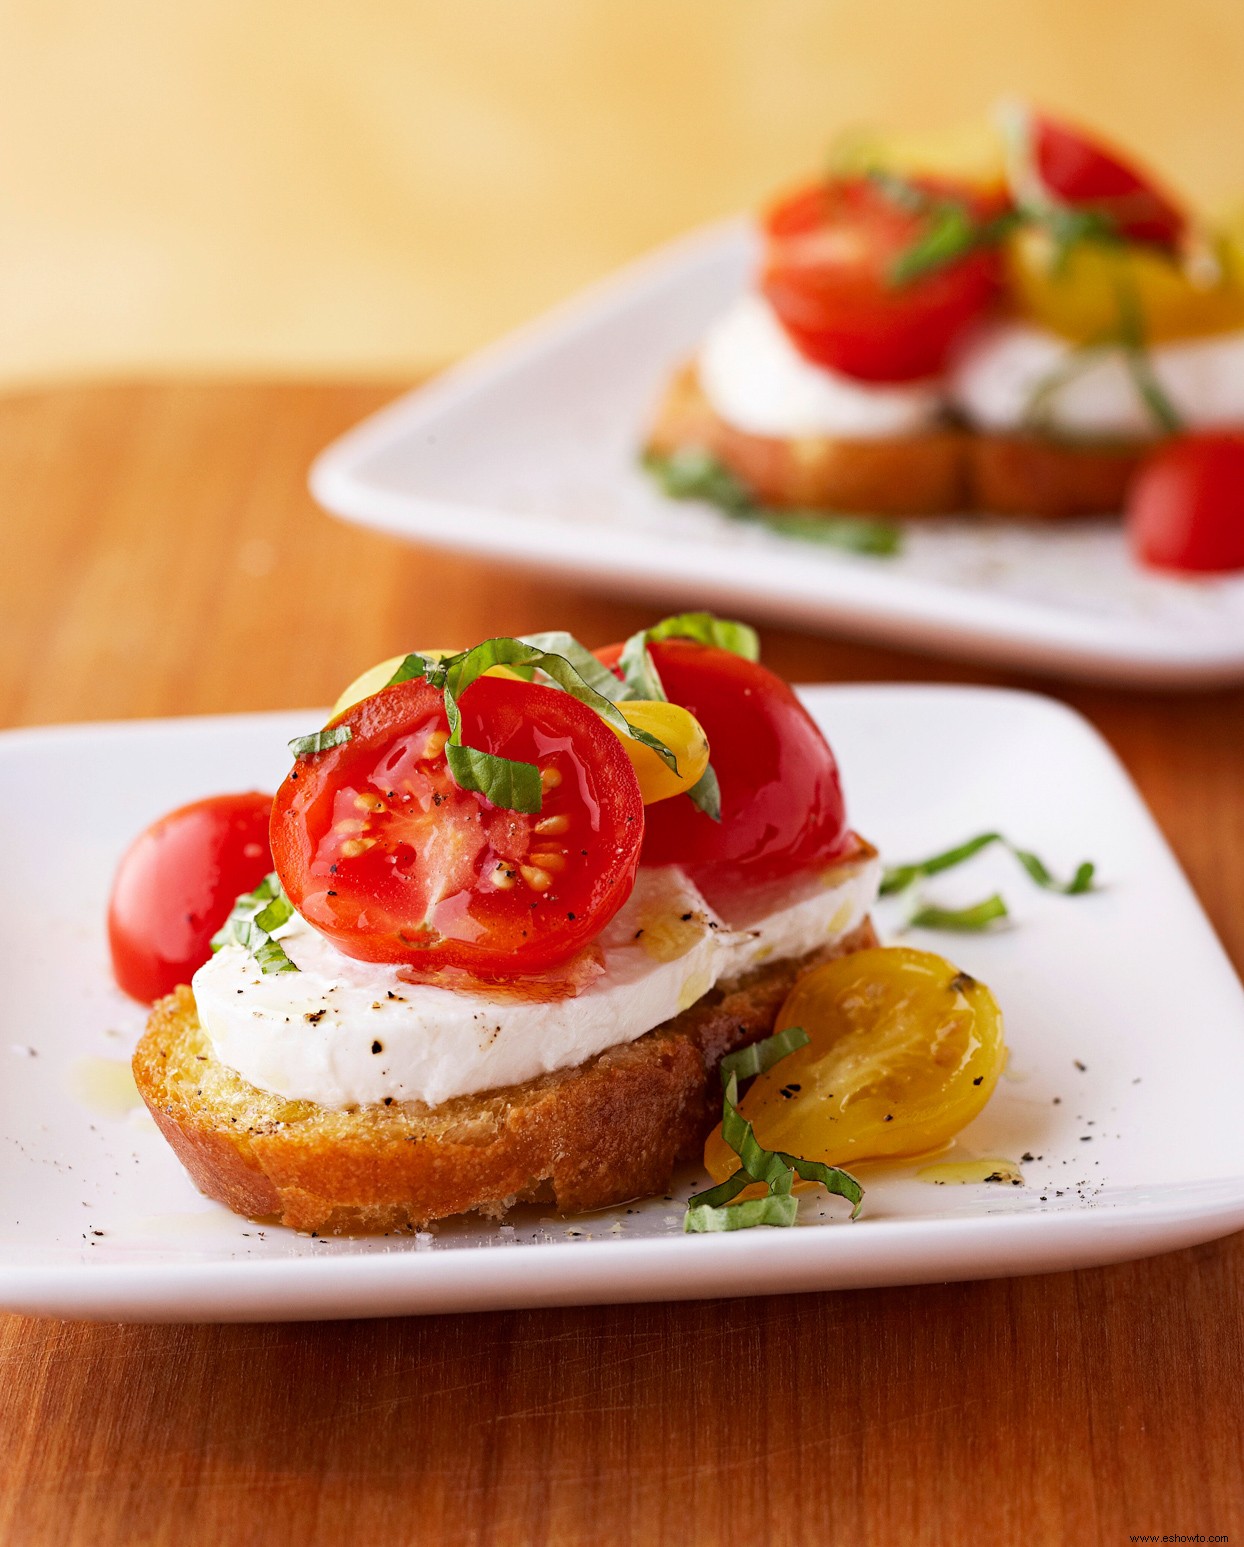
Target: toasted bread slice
{"points": [[582, 1138], [938, 472], [907, 475]]}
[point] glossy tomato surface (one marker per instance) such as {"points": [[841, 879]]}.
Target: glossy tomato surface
{"points": [[176, 886], [379, 849], [828, 273], [1076, 169], [781, 797], [1186, 508]]}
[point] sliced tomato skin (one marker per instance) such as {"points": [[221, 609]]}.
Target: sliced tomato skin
{"points": [[175, 887], [381, 851], [1079, 170], [1185, 511], [782, 810], [830, 251]]}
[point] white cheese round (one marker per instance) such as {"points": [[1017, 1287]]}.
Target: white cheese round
{"points": [[994, 382], [756, 380]]}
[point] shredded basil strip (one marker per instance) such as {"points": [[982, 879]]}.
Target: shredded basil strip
{"points": [[412, 666], [977, 916], [596, 675], [708, 629], [706, 794], [897, 878], [639, 673], [320, 741], [778, 1209], [250, 924], [708, 1211], [692, 473]]}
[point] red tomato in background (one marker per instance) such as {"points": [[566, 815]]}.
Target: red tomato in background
{"points": [[1185, 510], [177, 884], [781, 798], [828, 274], [1078, 170], [381, 851]]}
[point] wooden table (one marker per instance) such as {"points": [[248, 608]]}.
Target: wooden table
{"points": [[162, 556]]}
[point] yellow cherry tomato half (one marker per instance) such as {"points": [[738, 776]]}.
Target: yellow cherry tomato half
{"points": [[1078, 295], [905, 1050], [681, 732]]}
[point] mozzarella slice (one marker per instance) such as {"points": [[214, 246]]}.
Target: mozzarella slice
{"points": [[342, 1033], [756, 380]]}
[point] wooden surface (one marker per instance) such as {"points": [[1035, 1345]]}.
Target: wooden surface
{"points": [[161, 556]]}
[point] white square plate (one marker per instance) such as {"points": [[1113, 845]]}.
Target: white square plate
{"points": [[529, 452], [1138, 1151]]}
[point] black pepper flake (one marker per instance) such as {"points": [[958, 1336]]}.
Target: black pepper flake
{"points": [[686, 918], [978, 1080], [570, 916], [331, 893], [1086, 1138], [889, 1118], [1081, 1067], [1027, 1155], [332, 870], [315, 1016], [377, 1047], [388, 1101]]}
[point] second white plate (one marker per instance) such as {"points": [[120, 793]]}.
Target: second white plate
{"points": [[529, 452]]}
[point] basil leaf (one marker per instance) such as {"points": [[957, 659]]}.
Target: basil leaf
{"points": [[412, 666], [584, 662], [853, 534], [706, 794], [978, 916], [320, 741], [692, 473], [506, 782], [250, 923], [897, 878], [951, 233], [759, 1056], [706, 629], [775, 1209], [639, 672], [713, 1197]]}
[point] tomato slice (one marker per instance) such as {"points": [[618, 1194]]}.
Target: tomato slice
{"points": [[781, 797], [176, 885], [1186, 508], [828, 273], [381, 851], [1078, 170], [905, 1051]]}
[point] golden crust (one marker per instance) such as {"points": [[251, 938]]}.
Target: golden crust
{"points": [[937, 472], [583, 1138]]}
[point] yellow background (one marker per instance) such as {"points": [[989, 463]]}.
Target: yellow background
{"points": [[372, 185]]}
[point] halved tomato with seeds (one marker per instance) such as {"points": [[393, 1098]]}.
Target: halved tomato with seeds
{"points": [[381, 851]]}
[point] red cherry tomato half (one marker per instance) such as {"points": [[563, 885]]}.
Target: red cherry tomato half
{"points": [[381, 851], [828, 273], [176, 886], [1076, 169], [1186, 507], [781, 799]]}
